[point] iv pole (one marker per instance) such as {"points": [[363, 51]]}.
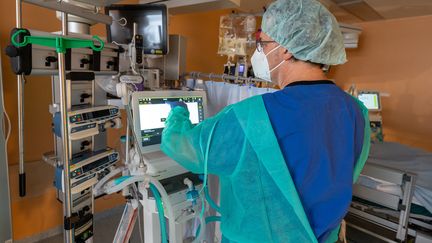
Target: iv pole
{"points": [[68, 230], [68, 234], [20, 102]]}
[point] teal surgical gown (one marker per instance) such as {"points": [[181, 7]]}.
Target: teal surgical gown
{"points": [[258, 201]]}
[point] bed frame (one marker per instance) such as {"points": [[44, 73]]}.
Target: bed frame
{"points": [[389, 212]]}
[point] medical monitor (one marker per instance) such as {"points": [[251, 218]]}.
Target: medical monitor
{"points": [[151, 109], [371, 99], [152, 25]]}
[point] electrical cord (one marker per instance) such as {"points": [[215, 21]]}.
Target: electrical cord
{"points": [[132, 62], [8, 122], [122, 21], [129, 120]]}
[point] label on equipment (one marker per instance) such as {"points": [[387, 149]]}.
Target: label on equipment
{"points": [[131, 79]]}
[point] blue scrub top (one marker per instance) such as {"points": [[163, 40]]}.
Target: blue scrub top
{"points": [[320, 131]]}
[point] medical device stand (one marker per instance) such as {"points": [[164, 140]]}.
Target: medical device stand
{"points": [[78, 219]]}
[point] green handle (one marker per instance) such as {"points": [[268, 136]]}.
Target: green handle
{"points": [[60, 43]]}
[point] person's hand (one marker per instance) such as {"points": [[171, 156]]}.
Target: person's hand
{"points": [[174, 104]]}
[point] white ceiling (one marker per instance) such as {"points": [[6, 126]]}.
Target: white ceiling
{"points": [[347, 11], [367, 10], [352, 11]]}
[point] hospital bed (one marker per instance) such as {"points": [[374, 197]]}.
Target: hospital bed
{"points": [[392, 200]]}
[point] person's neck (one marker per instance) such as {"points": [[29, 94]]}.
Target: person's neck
{"points": [[299, 72]]}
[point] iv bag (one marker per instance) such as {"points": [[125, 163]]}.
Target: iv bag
{"points": [[108, 84], [236, 34], [250, 24]]}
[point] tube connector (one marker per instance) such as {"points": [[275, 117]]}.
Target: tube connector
{"points": [[192, 194]]}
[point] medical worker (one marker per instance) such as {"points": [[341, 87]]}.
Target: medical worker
{"points": [[286, 160]]}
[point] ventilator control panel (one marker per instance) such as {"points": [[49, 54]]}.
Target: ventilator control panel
{"points": [[153, 112]]}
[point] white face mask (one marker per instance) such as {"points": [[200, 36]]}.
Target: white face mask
{"points": [[260, 64]]}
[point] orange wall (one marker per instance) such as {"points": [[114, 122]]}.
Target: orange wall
{"points": [[202, 33], [37, 89], [27, 214], [395, 57]]}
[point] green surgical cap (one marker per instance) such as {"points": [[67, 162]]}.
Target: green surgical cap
{"points": [[306, 29]]}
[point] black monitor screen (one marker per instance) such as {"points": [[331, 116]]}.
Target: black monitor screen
{"points": [[151, 21]]}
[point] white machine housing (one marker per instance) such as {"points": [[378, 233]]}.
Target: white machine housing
{"points": [[81, 128]]}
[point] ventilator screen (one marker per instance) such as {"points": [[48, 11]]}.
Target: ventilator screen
{"points": [[153, 112], [370, 100]]}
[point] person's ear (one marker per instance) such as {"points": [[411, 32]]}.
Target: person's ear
{"points": [[287, 55]]}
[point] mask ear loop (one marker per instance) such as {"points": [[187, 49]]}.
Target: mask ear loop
{"points": [[277, 66], [273, 50]]}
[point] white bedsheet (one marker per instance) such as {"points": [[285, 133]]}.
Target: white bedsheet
{"points": [[403, 158]]}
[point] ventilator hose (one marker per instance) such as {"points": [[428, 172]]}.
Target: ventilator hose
{"points": [[208, 220], [210, 200], [167, 203], [160, 212]]}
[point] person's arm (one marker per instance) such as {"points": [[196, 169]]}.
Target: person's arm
{"points": [[221, 136]]}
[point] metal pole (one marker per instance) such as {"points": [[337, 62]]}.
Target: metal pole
{"points": [[127, 143], [20, 102], [18, 13], [68, 233], [222, 76]]}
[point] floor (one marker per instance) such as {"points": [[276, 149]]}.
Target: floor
{"points": [[355, 236], [105, 228], [106, 225]]}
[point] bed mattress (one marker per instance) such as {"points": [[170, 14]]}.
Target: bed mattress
{"points": [[404, 158]]}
